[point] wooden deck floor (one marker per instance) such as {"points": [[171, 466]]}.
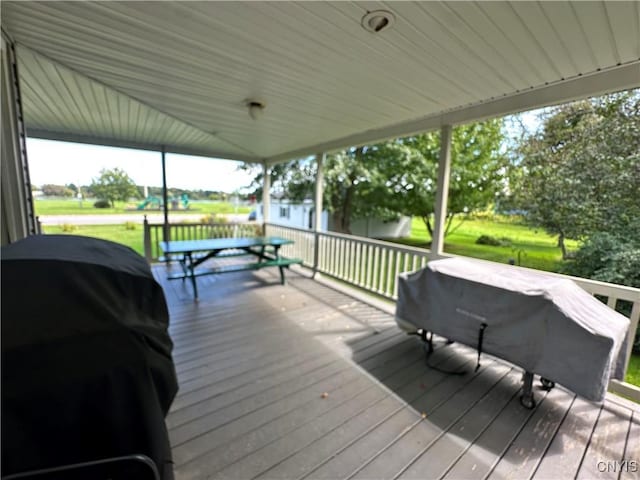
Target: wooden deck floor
{"points": [[301, 381]]}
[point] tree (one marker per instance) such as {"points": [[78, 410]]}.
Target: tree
{"points": [[114, 185], [398, 177], [56, 190], [294, 180], [580, 174], [477, 171]]}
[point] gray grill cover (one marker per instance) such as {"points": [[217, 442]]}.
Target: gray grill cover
{"points": [[545, 324]]}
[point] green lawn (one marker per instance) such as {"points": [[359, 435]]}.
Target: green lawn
{"points": [[115, 233], [74, 207], [537, 249], [633, 371]]}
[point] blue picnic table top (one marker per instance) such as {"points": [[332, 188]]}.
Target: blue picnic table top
{"points": [[217, 244]]}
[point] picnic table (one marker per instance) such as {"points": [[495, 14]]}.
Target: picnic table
{"points": [[194, 253]]}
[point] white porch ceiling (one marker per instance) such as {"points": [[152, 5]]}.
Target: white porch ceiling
{"points": [[177, 74]]}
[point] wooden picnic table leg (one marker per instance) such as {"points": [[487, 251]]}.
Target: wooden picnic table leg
{"points": [[192, 276], [283, 281], [183, 265]]}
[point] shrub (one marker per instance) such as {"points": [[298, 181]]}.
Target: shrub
{"points": [[493, 241], [68, 228], [102, 204], [129, 225], [608, 258], [213, 218]]}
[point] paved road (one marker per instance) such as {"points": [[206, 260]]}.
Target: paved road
{"points": [[138, 218]]}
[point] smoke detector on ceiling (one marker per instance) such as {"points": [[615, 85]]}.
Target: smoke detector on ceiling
{"points": [[378, 21]]}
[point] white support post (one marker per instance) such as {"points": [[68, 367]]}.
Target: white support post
{"points": [[165, 197], [442, 193], [266, 196], [317, 224]]}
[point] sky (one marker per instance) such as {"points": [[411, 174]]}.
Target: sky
{"points": [[61, 163]]}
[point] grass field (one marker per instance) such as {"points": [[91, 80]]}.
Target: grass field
{"points": [[633, 371], [74, 207], [115, 233], [534, 248]]}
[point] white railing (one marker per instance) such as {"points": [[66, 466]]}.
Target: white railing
{"points": [[303, 245], [374, 266], [371, 265]]}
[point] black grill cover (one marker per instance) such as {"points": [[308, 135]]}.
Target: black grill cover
{"points": [[87, 371]]}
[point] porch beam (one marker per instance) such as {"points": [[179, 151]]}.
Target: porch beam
{"points": [[122, 143], [442, 193], [615, 79], [266, 193]]}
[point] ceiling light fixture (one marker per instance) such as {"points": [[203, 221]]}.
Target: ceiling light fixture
{"points": [[378, 20], [256, 109]]}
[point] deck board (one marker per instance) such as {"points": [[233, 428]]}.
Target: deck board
{"points": [[632, 451], [523, 456], [304, 381], [607, 444], [564, 455]]}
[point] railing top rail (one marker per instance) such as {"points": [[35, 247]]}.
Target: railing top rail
{"points": [[198, 224], [287, 227], [381, 243]]}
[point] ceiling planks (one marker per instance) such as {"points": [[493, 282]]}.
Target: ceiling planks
{"points": [[180, 73]]}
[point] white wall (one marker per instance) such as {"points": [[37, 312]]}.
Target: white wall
{"points": [[294, 215], [297, 216], [375, 228]]}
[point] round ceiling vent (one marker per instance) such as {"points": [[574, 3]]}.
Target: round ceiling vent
{"points": [[378, 21]]}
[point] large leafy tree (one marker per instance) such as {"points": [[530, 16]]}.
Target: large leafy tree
{"points": [[350, 184], [477, 171], [580, 173], [114, 184], [356, 187], [399, 177]]}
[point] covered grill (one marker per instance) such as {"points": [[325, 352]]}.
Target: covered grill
{"points": [[545, 324], [87, 371]]}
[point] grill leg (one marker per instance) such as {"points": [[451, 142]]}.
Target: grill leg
{"points": [[547, 384], [527, 399], [427, 345]]}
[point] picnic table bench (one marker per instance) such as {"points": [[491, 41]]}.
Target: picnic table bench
{"points": [[193, 253]]}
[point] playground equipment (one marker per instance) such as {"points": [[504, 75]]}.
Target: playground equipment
{"points": [[183, 199], [154, 202]]}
